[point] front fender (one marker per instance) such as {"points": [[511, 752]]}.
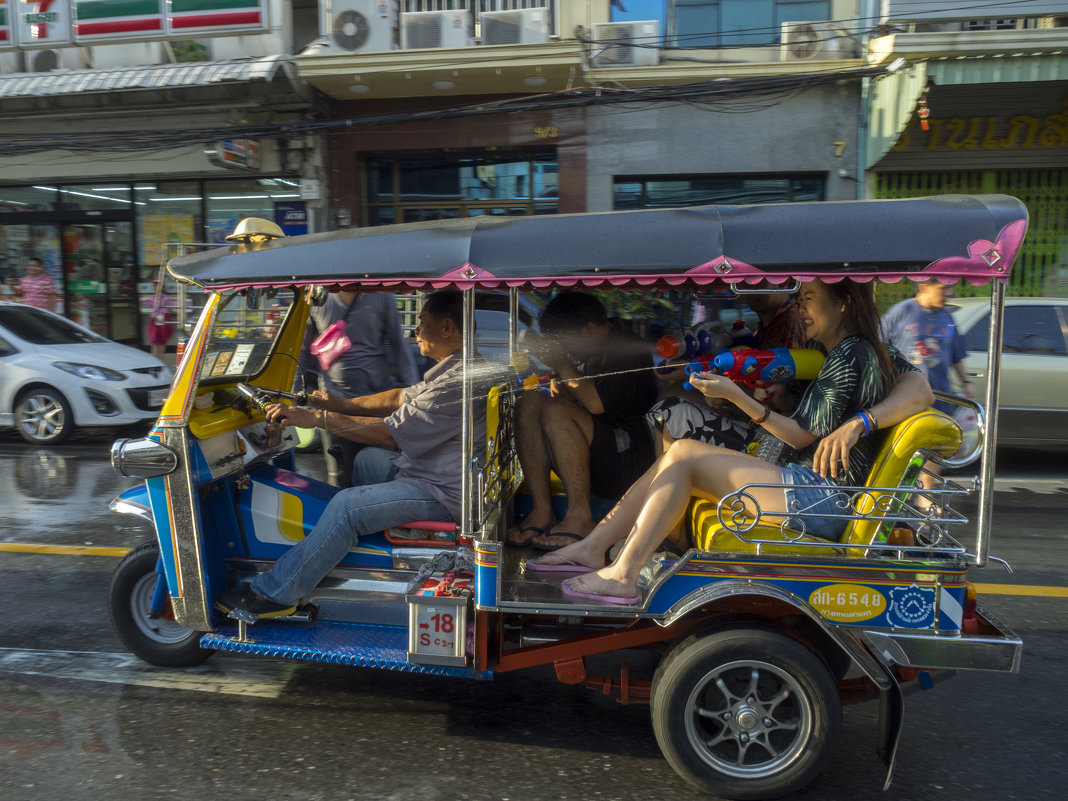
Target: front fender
{"points": [[133, 501]]}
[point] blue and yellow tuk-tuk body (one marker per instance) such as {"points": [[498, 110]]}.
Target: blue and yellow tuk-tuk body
{"points": [[764, 630]]}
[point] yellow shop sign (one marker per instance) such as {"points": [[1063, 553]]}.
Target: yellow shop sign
{"points": [[846, 603]]}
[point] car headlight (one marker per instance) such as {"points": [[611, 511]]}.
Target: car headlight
{"points": [[90, 371]]}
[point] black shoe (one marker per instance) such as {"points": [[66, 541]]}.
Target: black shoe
{"points": [[247, 601]]}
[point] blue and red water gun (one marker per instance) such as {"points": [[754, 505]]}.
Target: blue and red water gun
{"points": [[761, 368]]}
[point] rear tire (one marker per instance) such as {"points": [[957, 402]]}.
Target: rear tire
{"points": [[155, 640], [43, 416], [745, 713]]}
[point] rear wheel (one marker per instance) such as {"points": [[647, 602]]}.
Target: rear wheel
{"points": [[43, 416], [159, 640], [745, 713]]}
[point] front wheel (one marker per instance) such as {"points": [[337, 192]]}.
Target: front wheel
{"points": [[43, 416], [745, 713], [158, 640]]}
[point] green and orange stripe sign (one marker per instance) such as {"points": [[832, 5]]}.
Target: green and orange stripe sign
{"points": [[102, 21]]}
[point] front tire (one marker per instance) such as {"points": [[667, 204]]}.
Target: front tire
{"points": [[745, 713], [43, 416], [156, 640]]}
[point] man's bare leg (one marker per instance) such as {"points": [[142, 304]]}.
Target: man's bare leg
{"points": [[535, 459], [568, 430]]}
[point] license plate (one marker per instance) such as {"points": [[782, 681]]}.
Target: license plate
{"points": [[156, 397]]}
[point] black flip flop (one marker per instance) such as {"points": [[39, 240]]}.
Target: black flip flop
{"points": [[537, 533], [539, 547]]}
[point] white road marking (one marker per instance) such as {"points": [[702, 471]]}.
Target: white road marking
{"points": [[255, 678]]}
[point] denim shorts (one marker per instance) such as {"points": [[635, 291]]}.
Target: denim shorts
{"points": [[813, 494]]}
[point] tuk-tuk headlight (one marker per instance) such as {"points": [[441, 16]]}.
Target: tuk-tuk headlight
{"points": [[142, 458]]}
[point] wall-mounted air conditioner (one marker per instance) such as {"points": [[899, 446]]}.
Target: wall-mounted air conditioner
{"points": [[422, 29], [816, 40], [62, 58], [626, 44], [521, 26], [356, 26]]}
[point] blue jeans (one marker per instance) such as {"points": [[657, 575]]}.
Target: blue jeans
{"points": [[376, 504], [813, 494]]}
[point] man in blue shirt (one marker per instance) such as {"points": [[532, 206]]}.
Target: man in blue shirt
{"points": [[923, 329]]}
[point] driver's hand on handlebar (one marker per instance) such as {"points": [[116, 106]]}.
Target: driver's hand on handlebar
{"points": [[832, 453], [279, 416]]}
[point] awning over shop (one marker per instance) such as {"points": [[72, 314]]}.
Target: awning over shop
{"points": [[893, 98], [62, 83]]}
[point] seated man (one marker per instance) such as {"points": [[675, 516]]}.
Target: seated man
{"points": [[420, 482], [591, 429]]}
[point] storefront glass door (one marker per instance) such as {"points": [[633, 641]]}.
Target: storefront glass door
{"points": [[99, 278]]}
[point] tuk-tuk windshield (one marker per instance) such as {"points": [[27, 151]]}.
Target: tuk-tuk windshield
{"points": [[243, 334]]}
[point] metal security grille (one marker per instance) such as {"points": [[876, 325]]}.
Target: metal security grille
{"points": [[1042, 267]]}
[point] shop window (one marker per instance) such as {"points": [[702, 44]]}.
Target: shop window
{"points": [[94, 197], [418, 187], [167, 212], [18, 199], [230, 201], [668, 192], [738, 23]]}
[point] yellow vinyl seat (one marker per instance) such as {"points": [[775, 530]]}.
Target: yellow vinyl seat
{"points": [[927, 432]]}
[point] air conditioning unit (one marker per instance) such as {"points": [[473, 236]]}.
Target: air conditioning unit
{"points": [[423, 29], [803, 41], [356, 26], [63, 58], [521, 26], [626, 44]]}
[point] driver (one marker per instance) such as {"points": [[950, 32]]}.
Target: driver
{"points": [[411, 472]]}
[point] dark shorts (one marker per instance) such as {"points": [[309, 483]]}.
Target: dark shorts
{"points": [[618, 457]]}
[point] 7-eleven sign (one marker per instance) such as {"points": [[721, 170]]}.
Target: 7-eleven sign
{"points": [[42, 23]]}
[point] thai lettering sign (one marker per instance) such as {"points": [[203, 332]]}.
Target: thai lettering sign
{"points": [[28, 24]]}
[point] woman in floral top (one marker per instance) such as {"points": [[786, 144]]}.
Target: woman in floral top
{"points": [[857, 373]]}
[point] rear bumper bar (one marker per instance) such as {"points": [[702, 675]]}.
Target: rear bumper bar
{"points": [[993, 647]]}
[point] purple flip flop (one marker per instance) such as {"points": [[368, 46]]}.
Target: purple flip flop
{"points": [[568, 587], [537, 566]]}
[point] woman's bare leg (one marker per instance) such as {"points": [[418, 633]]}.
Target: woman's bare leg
{"points": [[688, 468], [616, 525]]}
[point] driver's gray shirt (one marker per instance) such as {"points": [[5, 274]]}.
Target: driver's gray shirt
{"points": [[427, 429]]}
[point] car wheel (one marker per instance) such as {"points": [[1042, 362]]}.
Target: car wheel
{"points": [[745, 713], [158, 640], [43, 416]]}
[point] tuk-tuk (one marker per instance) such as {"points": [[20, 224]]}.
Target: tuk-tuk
{"points": [[760, 632]]}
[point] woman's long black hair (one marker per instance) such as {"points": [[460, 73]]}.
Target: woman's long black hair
{"points": [[862, 318]]}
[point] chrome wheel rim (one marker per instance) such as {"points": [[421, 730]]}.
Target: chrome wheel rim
{"points": [[41, 416], [748, 719]]}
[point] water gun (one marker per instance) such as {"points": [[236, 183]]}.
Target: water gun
{"points": [[690, 343], [524, 371], [754, 367]]}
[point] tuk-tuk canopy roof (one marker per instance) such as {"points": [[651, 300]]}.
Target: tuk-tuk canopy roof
{"points": [[948, 237]]}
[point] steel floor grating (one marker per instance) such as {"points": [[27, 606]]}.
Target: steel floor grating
{"points": [[382, 647]]}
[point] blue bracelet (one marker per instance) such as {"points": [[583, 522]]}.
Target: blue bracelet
{"points": [[867, 425]]}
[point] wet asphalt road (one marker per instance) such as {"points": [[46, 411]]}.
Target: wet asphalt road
{"points": [[81, 719]]}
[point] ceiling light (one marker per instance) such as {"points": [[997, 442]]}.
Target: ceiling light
{"points": [[359, 88], [534, 80], [443, 86]]}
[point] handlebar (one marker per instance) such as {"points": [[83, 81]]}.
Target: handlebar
{"points": [[260, 397]]}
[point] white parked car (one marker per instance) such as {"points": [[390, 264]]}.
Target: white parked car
{"points": [[1034, 366], [56, 375]]}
